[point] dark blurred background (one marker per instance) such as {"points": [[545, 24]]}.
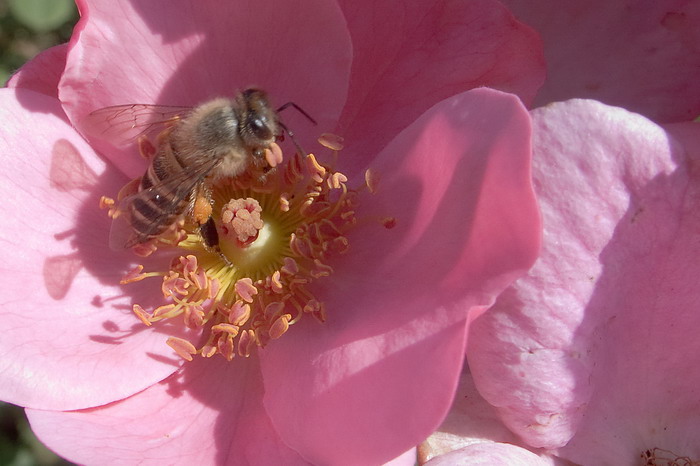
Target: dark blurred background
{"points": [[26, 28], [29, 26]]}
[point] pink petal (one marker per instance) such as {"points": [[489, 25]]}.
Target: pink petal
{"points": [[185, 52], [473, 433], [639, 55], [647, 374], [69, 339], [490, 454], [471, 420], [42, 73], [209, 412], [408, 458], [409, 56], [390, 352], [595, 340]]}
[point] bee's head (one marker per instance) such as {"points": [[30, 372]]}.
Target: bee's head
{"points": [[259, 125]]}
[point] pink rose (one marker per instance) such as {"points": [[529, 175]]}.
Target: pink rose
{"points": [[378, 376], [640, 55], [590, 358]]}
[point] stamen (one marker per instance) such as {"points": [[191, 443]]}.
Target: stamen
{"points": [[245, 289], [194, 315], [240, 313], [165, 311], [317, 171], [225, 346], [290, 266], [134, 275], [182, 347], [389, 222], [275, 282], [280, 326], [142, 314], [371, 180], [145, 249], [226, 328], [245, 343], [284, 202], [106, 202], [336, 180], [273, 155], [146, 147], [331, 141], [278, 234]]}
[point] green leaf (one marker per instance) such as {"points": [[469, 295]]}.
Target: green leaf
{"points": [[4, 76], [42, 15]]}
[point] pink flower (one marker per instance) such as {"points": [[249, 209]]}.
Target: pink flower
{"points": [[378, 376], [472, 433], [593, 355], [640, 55], [589, 358]]}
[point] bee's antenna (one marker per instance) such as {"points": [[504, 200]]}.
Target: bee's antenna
{"points": [[291, 136], [288, 131], [299, 109]]}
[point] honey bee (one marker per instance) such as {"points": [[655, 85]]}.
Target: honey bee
{"points": [[218, 139]]}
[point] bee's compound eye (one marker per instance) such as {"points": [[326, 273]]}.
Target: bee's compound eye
{"points": [[260, 128]]}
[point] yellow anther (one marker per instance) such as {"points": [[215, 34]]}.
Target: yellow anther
{"points": [[316, 171], [182, 347], [279, 326], [371, 180], [106, 202], [240, 313], [336, 180], [331, 141], [245, 289], [226, 328], [142, 314]]}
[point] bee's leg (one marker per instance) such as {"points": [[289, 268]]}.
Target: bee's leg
{"points": [[210, 236], [261, 167], [201, 213], [210, 239], [258, 158], [201, 206]]}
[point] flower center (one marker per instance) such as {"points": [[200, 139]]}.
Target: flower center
{"points": [[277, 234], [241, 221]]}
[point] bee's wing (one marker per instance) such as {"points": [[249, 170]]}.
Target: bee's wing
{"points": [[122, 124], [168, 198]]}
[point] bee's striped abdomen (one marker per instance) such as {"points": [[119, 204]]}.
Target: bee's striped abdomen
{"points": [[159, 202]]}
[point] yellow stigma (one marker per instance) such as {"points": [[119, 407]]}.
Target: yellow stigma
{"points": [[278, 234], [241, 221]]}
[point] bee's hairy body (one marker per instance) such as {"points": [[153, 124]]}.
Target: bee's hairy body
{"points": [[218, 139]]}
